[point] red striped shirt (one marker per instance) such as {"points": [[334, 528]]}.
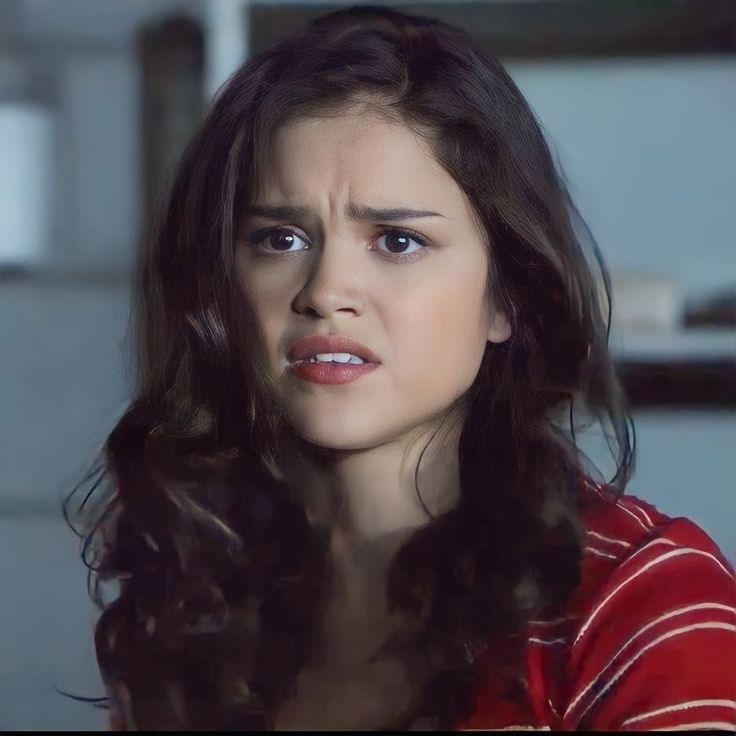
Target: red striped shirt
{"points": [[647, 642]]}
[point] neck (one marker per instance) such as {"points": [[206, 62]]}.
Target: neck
{"points": [[369, 496], [368, 501]]}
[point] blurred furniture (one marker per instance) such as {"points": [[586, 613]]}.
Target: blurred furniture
{"points": [[554, 28], [171, 53], [664, 357], [714, 310], [681, 368]]}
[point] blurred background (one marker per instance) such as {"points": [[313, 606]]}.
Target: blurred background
{"points": [[98, 98]]}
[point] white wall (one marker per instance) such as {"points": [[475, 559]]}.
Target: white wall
{"points": [[649, 148], [100, 159]]}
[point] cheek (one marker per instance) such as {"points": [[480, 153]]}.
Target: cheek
{"points": [[268, 309], [262, 291], [443, 337]]}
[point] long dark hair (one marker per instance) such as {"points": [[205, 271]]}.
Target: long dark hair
{"points": [[220, 573]]}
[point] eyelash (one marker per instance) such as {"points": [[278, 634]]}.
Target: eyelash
{"points": [[256, 238]]}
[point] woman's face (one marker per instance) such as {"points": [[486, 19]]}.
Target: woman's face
{"points": [[424, 317]]}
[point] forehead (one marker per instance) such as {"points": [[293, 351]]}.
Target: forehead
{"points": [[361, 156]]}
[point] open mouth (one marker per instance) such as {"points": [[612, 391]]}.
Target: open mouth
{"points": [[353, 360], [330, 372]]}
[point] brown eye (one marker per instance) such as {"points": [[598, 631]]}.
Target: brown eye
{"points": [[396, 240], [277, 238]]}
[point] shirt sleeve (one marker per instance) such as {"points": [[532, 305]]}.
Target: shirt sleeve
{"points": [[657, 647]]}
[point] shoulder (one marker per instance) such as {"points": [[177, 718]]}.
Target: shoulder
{"points": [[653, 644], [648, 640], [628, 540]]}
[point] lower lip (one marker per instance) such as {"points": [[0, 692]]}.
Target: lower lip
{"points": [[331, 372]]}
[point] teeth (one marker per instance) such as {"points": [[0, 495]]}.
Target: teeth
{"points": [[336, 358]]}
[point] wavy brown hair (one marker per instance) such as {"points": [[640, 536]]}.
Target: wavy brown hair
{"points": [[220, 574]]}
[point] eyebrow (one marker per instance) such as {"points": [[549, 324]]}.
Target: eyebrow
{"points": [[354, 212]]}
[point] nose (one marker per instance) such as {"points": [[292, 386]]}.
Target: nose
{"points": [[334, 281]]}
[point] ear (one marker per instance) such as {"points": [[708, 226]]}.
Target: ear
{"points": [[500, 329]]}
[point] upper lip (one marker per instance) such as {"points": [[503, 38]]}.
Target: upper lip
{"points": [[309, 346]]}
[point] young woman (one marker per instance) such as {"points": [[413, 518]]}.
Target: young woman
{"points": [[344, 495]]}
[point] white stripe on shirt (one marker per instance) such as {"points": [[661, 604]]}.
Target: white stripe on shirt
{"points": [[609, 539], [601, 554], [546, 641], [681, 706], [632, 505], [554, 621], [552, 708], [670, 614], [627, 509], [658, 640], [634, 516], [650, 564], [717, 725]]}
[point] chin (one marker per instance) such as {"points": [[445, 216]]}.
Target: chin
{"points": [[334, 441], [329, 429]]}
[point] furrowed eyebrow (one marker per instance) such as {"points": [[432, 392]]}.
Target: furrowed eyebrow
{"points": [[354, 212]]}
